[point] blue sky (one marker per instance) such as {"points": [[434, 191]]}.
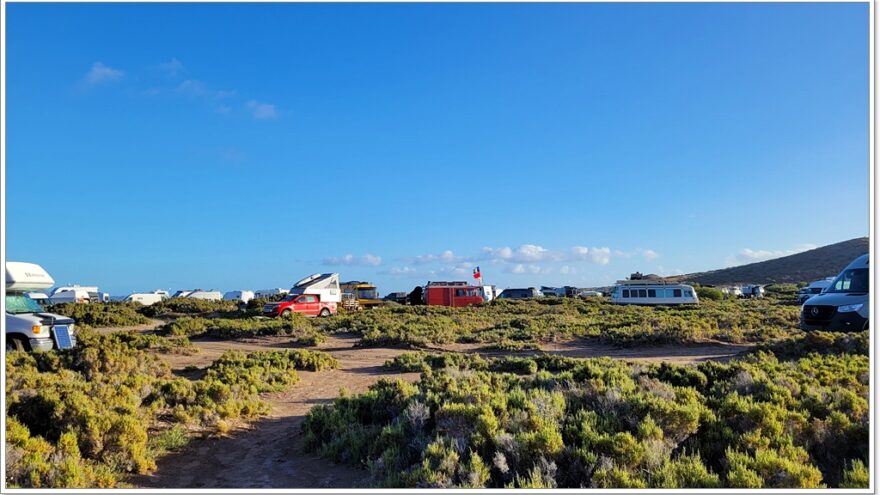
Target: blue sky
{"points": [[245, 146]]}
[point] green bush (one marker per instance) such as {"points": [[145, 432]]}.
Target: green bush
{"points": [[184, 305], [111, 314], [709, 294]]}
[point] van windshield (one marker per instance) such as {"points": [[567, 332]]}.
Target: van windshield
{"points": [[20, 303], [852, 281]]}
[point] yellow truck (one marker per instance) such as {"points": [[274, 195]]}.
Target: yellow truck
{"points": [[359, 295]]}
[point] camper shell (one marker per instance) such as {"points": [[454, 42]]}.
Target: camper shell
{"points": [[653, 293], [325, 285], [28, 326], [844, 305]]}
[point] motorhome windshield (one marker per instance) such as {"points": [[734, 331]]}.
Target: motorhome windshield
{"points": [[20, 303], [367, 294], [852, 281]]}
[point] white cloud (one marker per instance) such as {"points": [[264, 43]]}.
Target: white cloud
{"points": [[567, 270], [172, 68], [646, 254], [352, 260], [101, 73], [198, 89], [445, 257], [599, 256], [529, 268], [523, 254], [261, 110], [402, 270], [748, 255]]}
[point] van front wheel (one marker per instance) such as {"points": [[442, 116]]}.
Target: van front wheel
{"points": [[14, 343]]}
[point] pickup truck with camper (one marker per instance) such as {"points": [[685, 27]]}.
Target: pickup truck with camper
{"points": [[842, 306], [28, 326], [307, 304]]}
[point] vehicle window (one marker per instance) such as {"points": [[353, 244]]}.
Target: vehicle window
{"points": [[459, 292], [688, 293], [854, 280], [625, 292], [20, 303], [676, 292], [652, 293], [643, 293]]}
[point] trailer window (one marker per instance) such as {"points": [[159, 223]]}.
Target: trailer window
{"points": [[643, 293], [625, 292], [652, 292], [676, 292]]}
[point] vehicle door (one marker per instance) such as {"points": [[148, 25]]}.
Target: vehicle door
{"points": [[309, 305]]}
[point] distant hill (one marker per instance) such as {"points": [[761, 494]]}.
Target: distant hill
{"points": [[807, 266]]}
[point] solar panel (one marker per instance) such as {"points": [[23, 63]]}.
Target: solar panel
{"points": [[62, 337]]}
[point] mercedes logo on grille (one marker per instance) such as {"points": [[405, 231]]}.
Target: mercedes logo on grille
{"points": [[814, 311]]}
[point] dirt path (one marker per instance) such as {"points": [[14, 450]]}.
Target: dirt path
{"points": [[269, 453]]}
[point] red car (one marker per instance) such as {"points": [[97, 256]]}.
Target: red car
{"points": [[307, 304]]}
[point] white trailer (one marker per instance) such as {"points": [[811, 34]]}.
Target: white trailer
{"points": [[145, 298], [239, 295], [325, 285], [28, 326], [208, 295], [648, 292]]}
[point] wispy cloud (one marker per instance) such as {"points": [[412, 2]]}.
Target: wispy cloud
{"points": [[646, 254], [261, 111], [198, 89], [352, 260], [172, 69], [748, 255], [100, 74]]}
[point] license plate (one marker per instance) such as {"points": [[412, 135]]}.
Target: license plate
{"points": [[62, 336]]}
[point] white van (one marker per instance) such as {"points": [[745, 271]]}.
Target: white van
{"points": [[653, 293], [28, 326], [209, 295], [70, 295], [145, 298], [239, 295], [844, 305]]}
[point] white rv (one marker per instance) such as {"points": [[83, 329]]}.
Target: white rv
{"points": [[325, 285], [70, 295], [208, 295], [145, 298], [266, 293], [653, 292], [239, 295], [28, 326]]}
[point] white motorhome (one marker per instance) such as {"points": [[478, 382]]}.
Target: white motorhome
{"points": [[239, 295], [266, 293], [208, 295], [145, 298], [70, 295], [325, 285], [653, 292], [28, 326]]}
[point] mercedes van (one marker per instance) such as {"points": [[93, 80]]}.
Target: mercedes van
{"points": [[28, 326], [842, 306]]}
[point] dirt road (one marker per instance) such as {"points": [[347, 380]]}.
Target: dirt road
{"points": [[269, 453]]}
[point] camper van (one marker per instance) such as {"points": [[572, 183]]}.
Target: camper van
{"points": [[844, 305], [325, 285], [650, 292], [239, 295], [455, 294], [530, 293], [28, 326]]}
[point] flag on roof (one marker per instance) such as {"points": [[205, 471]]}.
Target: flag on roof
{"points": [[477, 274]]}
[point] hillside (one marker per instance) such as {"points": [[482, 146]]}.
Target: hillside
{"points": [[807, 266]]}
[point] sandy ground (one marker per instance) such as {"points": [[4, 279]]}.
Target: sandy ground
{"points": [[269, 453]]}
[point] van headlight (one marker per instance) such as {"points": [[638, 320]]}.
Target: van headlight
{"points": [[849, 308]]}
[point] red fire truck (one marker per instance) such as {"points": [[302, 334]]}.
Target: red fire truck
{"points": [[455, 294]]}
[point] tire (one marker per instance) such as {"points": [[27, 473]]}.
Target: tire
{"points": [[14, 343], [325, 313], [285, 313]]}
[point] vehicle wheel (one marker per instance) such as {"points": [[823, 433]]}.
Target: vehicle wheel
{"points": [[15, 344], [285, 313], [325, 312]]}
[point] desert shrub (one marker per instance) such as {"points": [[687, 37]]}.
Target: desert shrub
{"points": [[820, 342], [185, 305], [111, 314], [709, 294], [295, 325], [549, 421], [86, 417]]}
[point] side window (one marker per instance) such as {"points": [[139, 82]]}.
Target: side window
{"points": [[625, 292], [688, 293], [459, 292], [643, 293], [652, 292], [676, 292]]}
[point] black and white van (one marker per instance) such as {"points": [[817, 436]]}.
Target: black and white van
{"points": [[842, 306]]}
